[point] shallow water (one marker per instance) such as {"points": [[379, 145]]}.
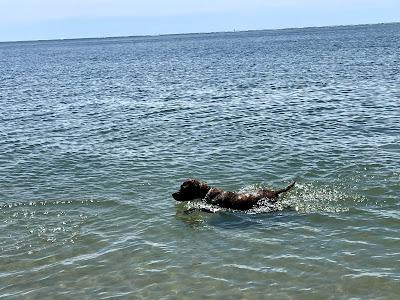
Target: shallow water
{"points": [[96, 134]]}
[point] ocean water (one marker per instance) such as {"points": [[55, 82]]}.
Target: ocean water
{"points": [[95, 135]]}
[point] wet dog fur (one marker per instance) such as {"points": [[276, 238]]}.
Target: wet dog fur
{"points": [[194, 189]]}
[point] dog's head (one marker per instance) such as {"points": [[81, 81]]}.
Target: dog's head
{"points": [[191, 189]]}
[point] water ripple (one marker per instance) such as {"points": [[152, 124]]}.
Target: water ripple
{"points": [[96, 134]]}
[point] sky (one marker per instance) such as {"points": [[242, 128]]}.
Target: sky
{"points": [[57, 19]]}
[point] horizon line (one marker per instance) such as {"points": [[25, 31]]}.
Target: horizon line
{"points": [[194, 33]]}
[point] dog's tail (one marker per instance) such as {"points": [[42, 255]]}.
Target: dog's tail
{"points": [[285, 189]]}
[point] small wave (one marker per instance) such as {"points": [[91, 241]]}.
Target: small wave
{"points": [[39, 203], [40, 224]]}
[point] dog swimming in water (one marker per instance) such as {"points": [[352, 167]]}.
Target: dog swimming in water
{"points": [[194, 189]]}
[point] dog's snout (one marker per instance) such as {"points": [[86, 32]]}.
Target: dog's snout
{"points": [[176, 196]]}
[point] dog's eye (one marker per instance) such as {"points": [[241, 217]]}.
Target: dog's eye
{"points": [[185, 185]]}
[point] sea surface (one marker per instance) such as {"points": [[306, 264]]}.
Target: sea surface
{"points": [[95, 135]]}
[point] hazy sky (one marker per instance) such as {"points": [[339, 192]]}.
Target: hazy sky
{"points": [[49, 19]]}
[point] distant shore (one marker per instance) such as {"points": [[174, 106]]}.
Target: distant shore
{"points": [[233, 31]]}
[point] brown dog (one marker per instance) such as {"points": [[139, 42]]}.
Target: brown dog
{"points": [[195, 189]]}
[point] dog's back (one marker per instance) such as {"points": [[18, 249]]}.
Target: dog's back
{"points": [[242, 201]]}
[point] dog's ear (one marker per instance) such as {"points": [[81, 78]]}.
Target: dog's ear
{"points": [[189, 182]]}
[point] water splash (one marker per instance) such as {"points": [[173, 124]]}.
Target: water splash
{"points": [[304, 198], [315, 197]]}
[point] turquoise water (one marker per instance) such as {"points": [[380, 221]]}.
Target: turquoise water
{"points": [[97, 134]]}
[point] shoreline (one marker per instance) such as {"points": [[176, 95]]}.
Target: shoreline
{"points": [[199, 33]]}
